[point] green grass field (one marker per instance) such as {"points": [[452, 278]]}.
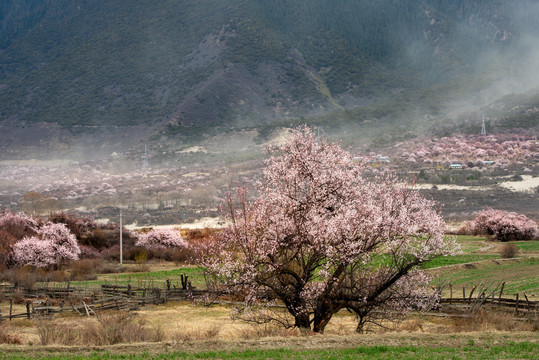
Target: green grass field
{"points": [[521, 276], [149, 278], [502, 349], [527, 245], [458, 259], [482, 256]]}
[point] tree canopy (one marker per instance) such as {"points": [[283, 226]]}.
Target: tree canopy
{"points": [[327, 232]]}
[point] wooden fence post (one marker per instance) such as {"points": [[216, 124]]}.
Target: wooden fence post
{"points": [[450, 294], [10, 308], [501, 291], [463, 293], [516, 305], [527, 302], [28, 313]]}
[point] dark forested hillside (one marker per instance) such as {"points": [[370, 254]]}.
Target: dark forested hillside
{"points": [[179, 67]]}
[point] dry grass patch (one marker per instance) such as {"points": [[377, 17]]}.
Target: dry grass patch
{"points": [[106, 328], [184, 322], [8, 338], [480, 321]]}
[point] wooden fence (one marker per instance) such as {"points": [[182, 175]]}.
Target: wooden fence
{"points": [[46, 301], [43, 302], [490, 299]]}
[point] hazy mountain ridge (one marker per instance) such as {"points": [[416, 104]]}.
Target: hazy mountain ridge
{"points": [[181, 68]]}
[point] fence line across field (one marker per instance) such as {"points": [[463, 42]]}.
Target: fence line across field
{"points": [[46, 301]]}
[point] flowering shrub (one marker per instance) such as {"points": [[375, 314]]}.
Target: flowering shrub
{"points": [[13, 227], [18, 225], [327, 233], [81, 227], [160, 239], [35, 252], [52, 245], [504, 225]]}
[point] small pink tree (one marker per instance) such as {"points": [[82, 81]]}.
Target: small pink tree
{"points": [[161, 239], [18, 225], [504, 225], [13, 227], [34, 251], [53, 245], [327, 233]]}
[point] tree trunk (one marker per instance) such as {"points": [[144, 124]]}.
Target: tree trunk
{"points": [[302, 322], [360, 325], [320, 322]]}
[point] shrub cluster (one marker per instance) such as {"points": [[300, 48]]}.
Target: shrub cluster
{"points": [[75, 246], [503, 225]]}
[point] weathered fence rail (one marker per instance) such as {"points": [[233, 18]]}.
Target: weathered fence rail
{"points": [[47, 301]]}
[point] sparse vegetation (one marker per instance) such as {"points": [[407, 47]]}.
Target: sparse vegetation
{"points": [[508, 251]]}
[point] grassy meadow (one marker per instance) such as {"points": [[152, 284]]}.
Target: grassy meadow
{"points": [[186, 330]]}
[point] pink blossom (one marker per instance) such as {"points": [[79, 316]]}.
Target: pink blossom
{"points": [[52, 245], [160, 239], [320, 223], [18, 225], [35, 252], [504, 225]]}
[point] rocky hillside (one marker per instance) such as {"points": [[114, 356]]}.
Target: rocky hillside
{"points": [[123, 71]]}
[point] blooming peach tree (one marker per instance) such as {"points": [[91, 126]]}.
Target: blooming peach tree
{"points": [[13, 227], [160, 239], [504, 225], [17, 225], [327, 232], [52, 245]]}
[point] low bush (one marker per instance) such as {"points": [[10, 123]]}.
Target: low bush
{"points": [[508, 251], [27, 276], [140, 268], [178, 255], [85, 269], [22, 277]]}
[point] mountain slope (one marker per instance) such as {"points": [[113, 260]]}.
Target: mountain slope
{"points": [[183, 67]]}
